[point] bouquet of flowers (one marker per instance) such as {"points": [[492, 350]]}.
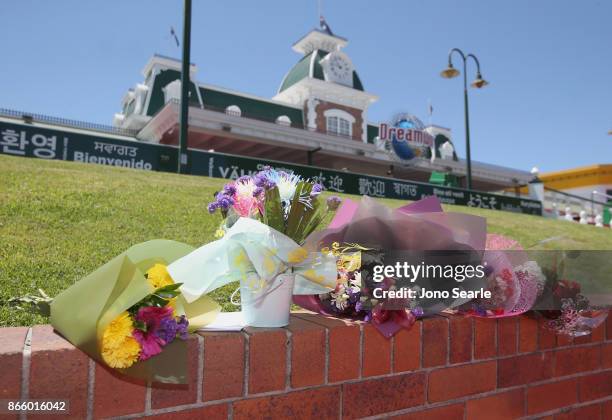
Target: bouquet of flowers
{"points": [[562, 302], [267, 218], [353, 296], [144, 329], [130, 315], [383, 235], [281, 200]]}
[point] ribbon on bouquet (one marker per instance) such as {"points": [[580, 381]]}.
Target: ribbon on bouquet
{"points": [[255, 253]]}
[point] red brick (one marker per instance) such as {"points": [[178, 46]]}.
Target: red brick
{"points": [[307, 353], [606, 410], [583, 339], [524, 369], [563, 415], [528, 335], [167, 395], [212, 412], [606, 356], [564, 340], [448, 412], [598, 333], [407, 349], [377, 396], [484, 338], [551, 396], [459, 381], [574, 360], [58, 370], [598, 385], [588, 412], [460, 339], [435, 341], [546, 337], [344, 346], [506, 336], [609, 327], [376, 352], [505, 405], [320, 403], [267, 359], [11, 348], [116, 395], [223, 366]]}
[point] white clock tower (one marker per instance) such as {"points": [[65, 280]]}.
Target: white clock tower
{"points": [[326, 84]]}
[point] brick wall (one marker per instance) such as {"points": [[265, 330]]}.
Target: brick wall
{"points": [[317, 367], [321, 121]]}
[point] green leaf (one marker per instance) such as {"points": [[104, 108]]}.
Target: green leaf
{"points": [[297, 211], [273, 210]]}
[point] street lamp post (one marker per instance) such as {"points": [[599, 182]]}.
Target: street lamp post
{"points": [[478, 83], [184, 113]]}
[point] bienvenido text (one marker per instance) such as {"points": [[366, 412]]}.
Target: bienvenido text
{"points": [[405, 293]]}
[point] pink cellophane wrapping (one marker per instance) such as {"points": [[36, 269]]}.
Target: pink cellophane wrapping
{"points": [[418, 226]]}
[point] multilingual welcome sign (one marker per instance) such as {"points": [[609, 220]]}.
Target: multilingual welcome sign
{"points": [[39, 142]]}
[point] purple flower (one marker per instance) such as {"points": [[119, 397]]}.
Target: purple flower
{"points": [[170, 328], [229, 189], [316, 189], [417, 312], [359, 306], [258, 191], [212, 207], [224, 202], [262, 180], [244, 179], [333, 202], [167, 330]]}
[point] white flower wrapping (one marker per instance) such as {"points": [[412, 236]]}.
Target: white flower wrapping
{"points": [[252, 253]]}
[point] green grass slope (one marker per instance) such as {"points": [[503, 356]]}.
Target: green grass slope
{"points": [[61, 220]]}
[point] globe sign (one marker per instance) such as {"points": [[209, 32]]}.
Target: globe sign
{"points": [[406, 136]]}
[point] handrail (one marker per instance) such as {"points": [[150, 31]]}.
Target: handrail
{"points": [[576, 196], [47, 119]]}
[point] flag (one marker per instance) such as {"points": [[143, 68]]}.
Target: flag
{"points": [[324, 26], [173, 33], [430, 109]]}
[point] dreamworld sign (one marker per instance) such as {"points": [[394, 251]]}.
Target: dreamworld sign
{"points": [[406, 136]]}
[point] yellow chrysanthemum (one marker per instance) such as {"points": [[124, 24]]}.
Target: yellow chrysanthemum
{"points": [[123, 356], [119, 348], [116, 332], [158, 276]]}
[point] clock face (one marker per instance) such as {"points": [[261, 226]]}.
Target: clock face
{"points": [[340, 68]]}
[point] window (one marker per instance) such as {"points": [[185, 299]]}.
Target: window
{"points": [[339, 123], [233, 110], [284, 120], [338, 126]]}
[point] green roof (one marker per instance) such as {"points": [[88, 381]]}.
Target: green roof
{"points": [[251, 107], [165, 77], [310, 66]]}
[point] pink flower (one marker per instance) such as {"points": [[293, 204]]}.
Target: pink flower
{"points": [[150, 344], [148, 339]]}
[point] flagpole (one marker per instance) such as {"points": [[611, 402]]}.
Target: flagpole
{"points": [[184, 113]]}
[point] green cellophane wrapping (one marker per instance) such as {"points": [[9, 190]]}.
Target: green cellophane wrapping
{"points": [[83, 311]]}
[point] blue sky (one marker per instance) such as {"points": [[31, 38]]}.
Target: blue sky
{"points": [[549, 62]]}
